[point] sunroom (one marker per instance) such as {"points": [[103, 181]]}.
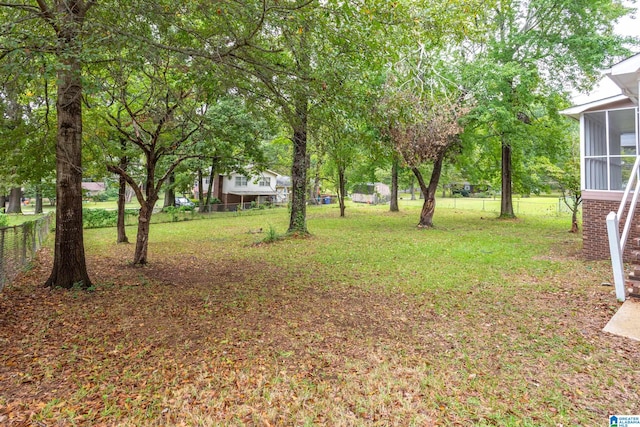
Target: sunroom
{"points": [[609, 150]]}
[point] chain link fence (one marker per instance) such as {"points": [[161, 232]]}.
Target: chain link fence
{"points": [[19, 244]]}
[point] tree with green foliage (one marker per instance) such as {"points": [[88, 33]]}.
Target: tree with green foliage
{"points": [[531, 52], [340, 138], [305, 61], [157, 109], [57, 30]]}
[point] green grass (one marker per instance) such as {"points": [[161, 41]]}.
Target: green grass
{"points": [[370, 321]]}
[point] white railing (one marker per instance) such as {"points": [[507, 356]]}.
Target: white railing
{"points": [[617, 241]]}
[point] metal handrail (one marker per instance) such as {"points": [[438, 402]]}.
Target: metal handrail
{"points": [[617, 240]]}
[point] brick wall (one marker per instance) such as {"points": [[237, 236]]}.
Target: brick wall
{"points": [[595, 243]]}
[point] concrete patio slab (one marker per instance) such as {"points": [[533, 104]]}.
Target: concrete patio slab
{"points": [[626, 321]]}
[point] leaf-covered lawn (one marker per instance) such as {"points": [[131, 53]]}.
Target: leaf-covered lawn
{"points": [[368, 322]]}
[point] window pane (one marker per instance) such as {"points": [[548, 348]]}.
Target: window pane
{"points": [[620, 171], [622, 132], [596, 174], [595, 134]]}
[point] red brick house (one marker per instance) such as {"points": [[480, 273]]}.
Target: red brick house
{"points": [[608, 150]]}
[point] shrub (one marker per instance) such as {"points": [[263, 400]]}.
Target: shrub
{"points": [[96, 218], [100, 197], [173, 212], [4, 220]]}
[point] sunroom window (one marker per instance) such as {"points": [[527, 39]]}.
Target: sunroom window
{"points": [[610, 148]]}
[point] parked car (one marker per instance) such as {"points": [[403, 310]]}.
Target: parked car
{"points": [[183, 201]]}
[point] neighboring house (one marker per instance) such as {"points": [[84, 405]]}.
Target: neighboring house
{"points": [[237, 188], [608, 150], [372, 193], [283, 188], [93, 188]]}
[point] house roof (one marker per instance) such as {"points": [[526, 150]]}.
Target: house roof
{"points": [[94, 186], [625, 75]]}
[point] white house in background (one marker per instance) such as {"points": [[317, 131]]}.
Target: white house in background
{"points": [[242, 187], [372, 193]]}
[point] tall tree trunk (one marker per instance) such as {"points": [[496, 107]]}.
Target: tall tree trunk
{"points": [[170, 194], [315, 191], [69, 264], [342, 189], [122, 200], [15, 201], [201, 204], [413, 189], [212, 177], [38, 207], [506, 204], [3, 203], [298, 219], [393, 204], [429, 205]]}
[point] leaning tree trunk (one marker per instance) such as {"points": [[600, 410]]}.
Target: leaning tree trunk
{"points": [[393, 204], [575, 205], [15, 200], [69, 265], [429, 191], [122, 200], [146, 210], [298, 219], [142, 239], [342, 189], [506, 204]]}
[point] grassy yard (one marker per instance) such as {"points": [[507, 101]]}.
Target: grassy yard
{"points": [[368, 322]]}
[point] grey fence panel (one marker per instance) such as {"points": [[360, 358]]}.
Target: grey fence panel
{"points": [[19, 245]]}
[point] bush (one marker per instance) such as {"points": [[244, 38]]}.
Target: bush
{"points": [[4, 220], [172, 211], [97, 218], [100, 197]]}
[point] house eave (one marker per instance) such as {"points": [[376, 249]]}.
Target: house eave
{"points": [[600, 104]]}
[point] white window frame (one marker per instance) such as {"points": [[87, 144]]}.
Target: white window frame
{"points": [[264, 181], [605, 157]]}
